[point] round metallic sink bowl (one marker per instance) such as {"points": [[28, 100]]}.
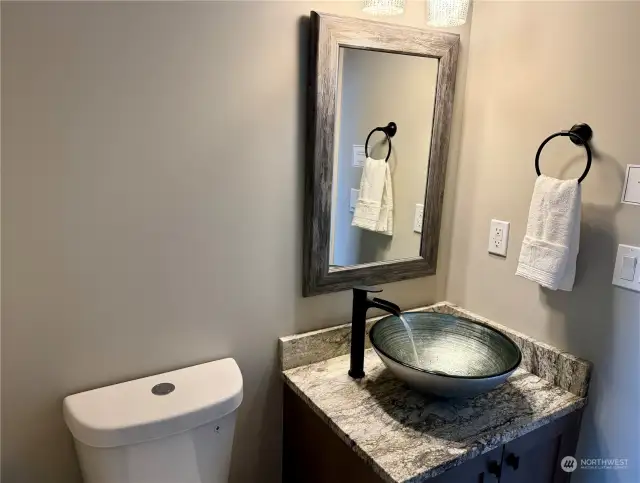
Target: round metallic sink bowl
{"points": [[456, 357]]}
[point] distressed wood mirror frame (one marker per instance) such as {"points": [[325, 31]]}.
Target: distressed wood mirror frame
{"points": [[328, 34]]}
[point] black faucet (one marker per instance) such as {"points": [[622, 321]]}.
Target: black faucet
{"points": [[361, 303]]}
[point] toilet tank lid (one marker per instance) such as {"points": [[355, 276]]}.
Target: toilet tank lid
{"points": [[156, 406]]}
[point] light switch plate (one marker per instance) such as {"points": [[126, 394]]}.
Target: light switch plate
{"points": [[631, 189], [353, 199], [499, 237], [627, 266], [417, 218], [358, 156]]}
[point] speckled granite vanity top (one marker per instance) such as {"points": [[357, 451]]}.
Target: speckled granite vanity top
{"points": [[408, 437]]}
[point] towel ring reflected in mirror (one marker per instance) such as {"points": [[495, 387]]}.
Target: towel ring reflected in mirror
{"points": [[389, 131], [580, 135]]}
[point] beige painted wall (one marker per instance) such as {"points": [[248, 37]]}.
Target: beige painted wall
{"points": [[376, 88], [152, 209], [536, 68]]}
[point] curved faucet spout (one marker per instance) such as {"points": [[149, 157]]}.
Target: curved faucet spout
{"points": [[386, 305]]}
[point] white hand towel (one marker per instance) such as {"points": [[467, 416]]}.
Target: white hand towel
{"points": [[550, 247], [374, 208], [385, 220]]}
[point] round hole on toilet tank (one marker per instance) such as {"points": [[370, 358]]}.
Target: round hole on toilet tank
{"points": [[163, 389]]}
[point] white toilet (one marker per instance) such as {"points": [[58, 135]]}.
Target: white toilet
{"points": [[175, 427]]}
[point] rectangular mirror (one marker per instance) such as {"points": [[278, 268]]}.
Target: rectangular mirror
{"points": [[380, 105]]}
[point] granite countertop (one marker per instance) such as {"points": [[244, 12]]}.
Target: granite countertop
{"points": [[407, 437]]}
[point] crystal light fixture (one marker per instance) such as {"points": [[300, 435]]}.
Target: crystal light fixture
{"points": [[383, 7], [447, 13]]}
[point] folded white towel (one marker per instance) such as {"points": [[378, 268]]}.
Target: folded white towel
{"points": [[374, 208], [550, 247]]}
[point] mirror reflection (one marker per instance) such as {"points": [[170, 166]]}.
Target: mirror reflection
{"points": [[379, 186]]}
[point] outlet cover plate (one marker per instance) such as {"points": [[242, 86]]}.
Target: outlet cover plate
{"points": [[499, 237], [353, 199]]}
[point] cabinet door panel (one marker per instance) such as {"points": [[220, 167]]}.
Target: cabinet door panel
{"points": [[476, 470], [535, 457], [535, 464]]}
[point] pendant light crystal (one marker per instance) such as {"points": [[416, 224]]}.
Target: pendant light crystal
{"points": [[383, 7], [447, 13]]}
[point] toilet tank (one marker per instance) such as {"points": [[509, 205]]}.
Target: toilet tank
{"points": [[175, 427]]}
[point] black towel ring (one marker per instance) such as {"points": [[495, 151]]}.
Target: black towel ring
{"points": [[389, 130], [580, 135]]}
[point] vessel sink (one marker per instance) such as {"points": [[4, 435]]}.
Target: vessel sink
{"points": [[457, 357]]}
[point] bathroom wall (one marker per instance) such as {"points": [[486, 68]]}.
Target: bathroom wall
{"points": [[376, 88], [152, 209], [536, 68]]}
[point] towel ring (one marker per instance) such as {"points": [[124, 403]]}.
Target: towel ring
{"points": [[580, 135], [389, 130]]}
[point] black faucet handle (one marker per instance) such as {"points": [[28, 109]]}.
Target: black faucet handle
{"points": [[366, 288], [391, 305]]}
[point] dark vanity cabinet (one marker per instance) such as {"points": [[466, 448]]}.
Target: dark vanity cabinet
{"points": [[536, 457], [485, 468], [532, 458], [313, 453]]}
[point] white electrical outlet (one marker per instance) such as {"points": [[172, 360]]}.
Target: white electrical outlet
{"points": [[499, 237], [417, 218]]}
